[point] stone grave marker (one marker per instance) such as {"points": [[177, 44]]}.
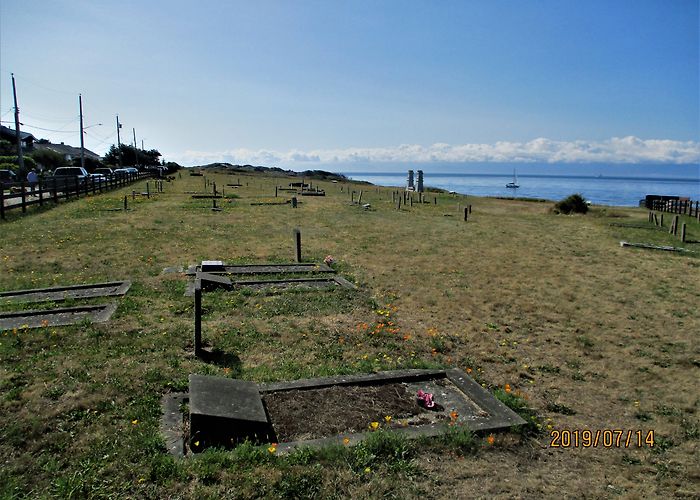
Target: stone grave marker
{"points": [[225, 412]]}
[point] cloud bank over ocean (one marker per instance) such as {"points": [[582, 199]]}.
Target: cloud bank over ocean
{"points": [[615, 150]]}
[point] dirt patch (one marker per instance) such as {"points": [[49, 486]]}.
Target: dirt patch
{"points": [[318, 413]]}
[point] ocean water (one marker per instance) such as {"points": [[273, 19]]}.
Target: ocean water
{"points": [[598, 189]]}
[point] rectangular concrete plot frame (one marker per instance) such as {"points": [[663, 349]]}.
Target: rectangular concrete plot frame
{"points": [[59, 293], [243, 269], [56, 317]]}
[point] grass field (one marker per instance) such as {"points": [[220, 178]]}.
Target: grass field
{"points": [[585, 334]]}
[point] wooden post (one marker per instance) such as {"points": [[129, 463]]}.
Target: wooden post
{"points": [[662, 219], [411, 198], [126, 206], [466, 214], [294, 202], [359, 199], [2, 201], [148, 190], [435, 200], [213, 201], [297, 241], [470, 209], [197, 317], [275, 191], [393, 196], [77, 187], [683, 233], [24, 198], [650, 218], [55, 192], [352, 197], [656, 220], [41, 195], [214, 184], [398, 204]]}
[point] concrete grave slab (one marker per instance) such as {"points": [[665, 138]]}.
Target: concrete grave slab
{"points": [[59, 293], [224, 412], [282, 284], [267, 269], [57, 317], [238, 406], [213, 281], [212, 265]]}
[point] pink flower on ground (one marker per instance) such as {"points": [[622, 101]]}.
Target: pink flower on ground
{"points": [[425, 399], [329, 260]]}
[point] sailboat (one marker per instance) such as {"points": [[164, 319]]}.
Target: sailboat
{"points": [[514, 184]]}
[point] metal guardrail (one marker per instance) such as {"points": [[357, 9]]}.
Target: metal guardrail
{"points": [[22, 195]]}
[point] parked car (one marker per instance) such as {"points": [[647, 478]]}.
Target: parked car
{"points": [[67, 177], [119, 173], [132, 170], [7, 176], [97, 178], [106, 171]]}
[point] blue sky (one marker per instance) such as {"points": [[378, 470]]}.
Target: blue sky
{"points": [[309, 83]]}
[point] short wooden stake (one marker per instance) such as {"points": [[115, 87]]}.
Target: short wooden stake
{"points": [[197, 317], [125, 203], [297, 241], [435, 200], [466, 214], [661, 219], [275, 191], [148, 191], [683, 232], [359, 199], [470, 209], [656, 220]]}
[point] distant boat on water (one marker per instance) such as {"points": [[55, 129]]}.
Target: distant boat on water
{"points": [[514, 184]]}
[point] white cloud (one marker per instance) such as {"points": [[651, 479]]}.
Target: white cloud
{"points": [[616, 150]]}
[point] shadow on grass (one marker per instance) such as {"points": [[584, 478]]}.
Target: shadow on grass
{"points": [[222, 358]]}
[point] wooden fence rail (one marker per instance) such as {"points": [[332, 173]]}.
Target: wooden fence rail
{"points": [[684, 207], [53, 189]]}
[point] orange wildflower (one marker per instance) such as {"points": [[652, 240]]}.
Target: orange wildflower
{"points": [[507, 388], [490, 439], [346, 441]]}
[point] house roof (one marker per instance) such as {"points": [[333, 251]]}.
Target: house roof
{"points": [[10, 132], [65, 149]]}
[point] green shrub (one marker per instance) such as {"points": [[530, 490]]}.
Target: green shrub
{"points": [[572, 204], [29, 163]]}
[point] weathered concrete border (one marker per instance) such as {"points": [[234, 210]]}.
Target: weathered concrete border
{"points": [[57, 317], [268, 268], [500, 416], [60, 293]]}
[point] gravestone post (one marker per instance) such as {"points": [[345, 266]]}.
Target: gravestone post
{"points": [[197, 317], [297, 241], [24, 198]]}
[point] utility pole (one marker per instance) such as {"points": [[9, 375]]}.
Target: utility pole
{"points": [[136, 149], [119, 144], [20, 158], [82, 132]]}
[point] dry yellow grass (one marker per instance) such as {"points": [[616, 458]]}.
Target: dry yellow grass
{"points": [[594, 335]]}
